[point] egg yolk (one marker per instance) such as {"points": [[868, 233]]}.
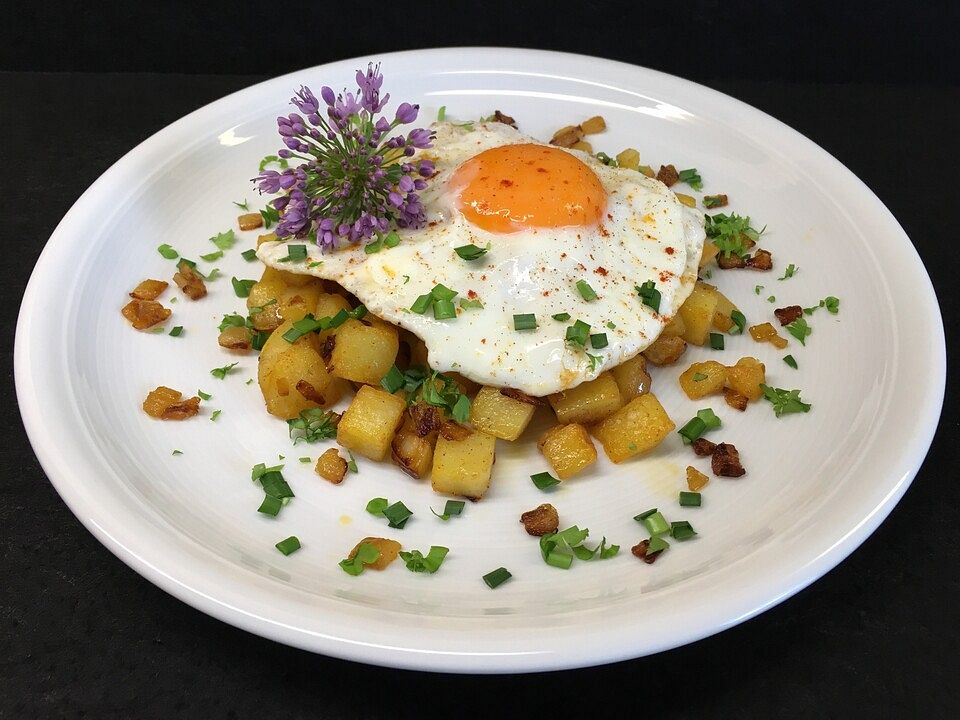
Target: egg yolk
{"points": [[512, 187]]}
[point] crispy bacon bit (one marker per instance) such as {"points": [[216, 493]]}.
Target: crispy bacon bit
{"points": [[190, 282], [735, 399], [696, 480], [726, 461], [541, 520], [703, 447], [331, 467], [601, 271], [505, 119], [668, 175], [731, 261], [454, 431], [715, 201], [427, 419], [250, 221], [522, 397], [235, 338], [761, 260], [309, 392], [567, 136], [144, 313], [149, 290], [788, 314], [640, 550], [165, 403]]}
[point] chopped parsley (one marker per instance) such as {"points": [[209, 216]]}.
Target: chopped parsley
{"points": [[204, 396], [295, 253], [800, 330], [168, 252], [221, 372], [790, 360], [831, 303], [416, 561], [224, 240], [692, 178], [784, 401], [789, 272], [242, 287], [366, 554], [390, 240], [214, 415], [242, 205], [757, 289], [313, 424], [559, 549], [270, 216], [728, 233], [772, 299], [471, 251], [210, 257]]}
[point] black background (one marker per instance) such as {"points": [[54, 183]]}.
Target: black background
{"points": [[81, 635]]}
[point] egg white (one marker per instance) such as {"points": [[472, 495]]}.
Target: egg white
{"points": [[646, 234]]}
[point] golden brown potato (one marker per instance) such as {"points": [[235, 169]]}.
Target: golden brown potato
{"points": [[697, 313], [594, 125], [588, 402], [568, 449], [632, 378], [638, 427], [710, 251], [746, 377], [411, 451], [674, 328], [499, 415], [765, 332], [143, 314], [703, 378], [696, 480], [583, 146], [369, 423], [665, 350], [331, 466], [462, 467], [166, 403], [389, 550], [364, 353], [149, 290], [629, 159], [250, 221], [295, 303], [293, 376]]}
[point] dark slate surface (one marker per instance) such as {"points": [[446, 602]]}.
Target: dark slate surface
{"points": [[81, 635]]}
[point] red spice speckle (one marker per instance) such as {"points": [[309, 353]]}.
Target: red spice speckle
{"points": [[609, 216], [603, 231], [665, 276], [483, 277], [581, 266], [471, 294], [483, 341], [546, 293], [562, 255], [670, 251], [600, 270]]}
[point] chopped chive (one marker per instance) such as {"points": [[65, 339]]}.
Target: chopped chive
{"points": [[559, 559], [178, 452], [544, 480], [270, 505], [249, 255], [497, 577], [305, 459], [739, 322], [168, 252], [598, 341], [257, 341], [444, 310], [525, 322], [655, 522], [611, 326], [214, 415], [421, 304], [397, 515], [442, 292], [586, 292], [451, 509], [470, 304], [649, 295], [416, 561], [578, 333], [352, 463], [295, 253], [757, 289], [305, 325], [562, 317], [471, 252], [692, 430], [714, 201], [249, 381], [656, 544], [442, 113], [393, 380], [366, 555], [203, 395], [288, 546], [176, 331], [710, 419], [210, 257], [682, 530], [791, 361], [716, 341], [406, 279], [690, 499]]}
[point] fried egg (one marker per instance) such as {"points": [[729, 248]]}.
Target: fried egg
{"points": [[552, 218]]}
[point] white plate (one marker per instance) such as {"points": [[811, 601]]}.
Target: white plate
{"points": [[817, 484]]}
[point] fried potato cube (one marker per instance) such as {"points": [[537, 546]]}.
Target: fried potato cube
{"points": [[364, 353], [268, 237], [746, 377], [143, 314], [638, 427], [413, 453], [665, 350], [149, 290], [235, 338], [583, 146], [369, 423], [588, 402], [765, 332], [697, 313], [295, 303], [250, 221], [703, 378], [389, 550], [687, 200], [735, 399], [462, 467], [331, 467], [674, 328], [696, 480], [632, 378], [264, 296], [499, 415], [594, 125], [568, 449], [629, 159], [710, 252], [298, 380], [165, 403]]}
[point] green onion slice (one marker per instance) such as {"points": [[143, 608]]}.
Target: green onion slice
{"points": [[525, 322], [496, 578], [290, 545]]}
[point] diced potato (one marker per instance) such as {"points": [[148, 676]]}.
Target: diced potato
{"points": [[696, 480], [389, 550], [703, 378], [687, 200], [583, 146], [295, 303], [665, 350], [499, 415], [632, 378], [329, 304], [296, 380], [277, 345], [364, 353], [265, 294], [166, 403], [462, 467], [629, 159], [268, 237], [765, 332], [697, 313], [722, 322], [735, 399], [593, 125], [710, 251], [143, 314], [746, 377], [647, 170], [413, 453], [638, 427], [568, 449], [331, 466], [369, 423], [149, 290], [250, 221], [674, 328], [722, 317], [588, 402], [235, 338]]}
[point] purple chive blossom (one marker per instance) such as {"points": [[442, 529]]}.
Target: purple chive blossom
{"points": [[354, 182]]}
